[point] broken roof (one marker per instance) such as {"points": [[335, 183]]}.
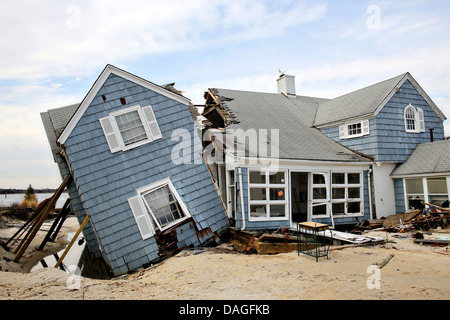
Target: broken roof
{"points": [[427, 158], [292, 117], [55, 120]]}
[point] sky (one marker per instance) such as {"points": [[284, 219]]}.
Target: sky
{"points": [[51, 53]]}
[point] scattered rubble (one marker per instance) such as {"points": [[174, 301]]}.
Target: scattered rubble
{"points": [[432, 217]]}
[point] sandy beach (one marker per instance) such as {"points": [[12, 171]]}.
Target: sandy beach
{"points": [[415, 272]]}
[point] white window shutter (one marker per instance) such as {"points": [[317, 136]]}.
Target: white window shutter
{"points": [[365, 127], [152, 123], [110, 135], [142, 218], [421, 120], [342, 132]]}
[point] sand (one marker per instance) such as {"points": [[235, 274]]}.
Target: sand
{"points": [[415, 272]]}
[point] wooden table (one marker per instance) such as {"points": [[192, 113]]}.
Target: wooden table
{"points": [[311, 239]]}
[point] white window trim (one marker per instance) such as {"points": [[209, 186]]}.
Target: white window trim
{"points": [[153, 186], [268, 202], [319, 202], [343, 130], [419, 124], [231, 193], [346, 199], [115, 134]]}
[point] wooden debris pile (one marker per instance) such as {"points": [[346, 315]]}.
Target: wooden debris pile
{"points": [[418, 220], [261, 242]]}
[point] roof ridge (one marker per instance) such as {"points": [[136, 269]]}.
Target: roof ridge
{"points": [[370, 86]]}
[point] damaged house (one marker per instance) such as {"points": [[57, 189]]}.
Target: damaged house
{"points": [[289, 158], [118, 146]]}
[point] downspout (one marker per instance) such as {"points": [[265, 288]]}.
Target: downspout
{"points": [[241, 193], [369, 183]]}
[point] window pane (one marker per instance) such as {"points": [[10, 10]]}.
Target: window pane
{"points": [[354, 207], [258, 210], [441, 201], [164, 205], [277, 210], [414, 186], [258, 194], [131, 127], [231, 174], [338, 193], [276, 178], [354, 178], [257, 177], [338, 178], [318, 179], [277, 194], [354, 193], [319, 210], [338, 208], [354, 129], [416, 202], [410, 117], [437, 185], [319, 193]]}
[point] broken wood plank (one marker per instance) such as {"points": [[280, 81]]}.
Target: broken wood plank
{"points": [[438, 207], [399, 219], [42, 216], [346, 246], [384, 262], [73, 240], [274, 248], [432, 241], [277, 237]]}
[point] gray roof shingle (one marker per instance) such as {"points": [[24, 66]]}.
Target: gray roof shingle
{"points": [[55, 120], [293, 119], [427, 158], [357, 103]]}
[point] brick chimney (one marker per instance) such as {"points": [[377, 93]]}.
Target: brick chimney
{"points": [[286, 85]]}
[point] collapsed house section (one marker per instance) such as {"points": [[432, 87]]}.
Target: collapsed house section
{"points": [[273, 169], [145, 198]]}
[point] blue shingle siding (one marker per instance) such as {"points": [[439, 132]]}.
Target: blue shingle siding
{"points": [[388, 141], [394, 143], [105, 181], [400, 206], [366, 144]]}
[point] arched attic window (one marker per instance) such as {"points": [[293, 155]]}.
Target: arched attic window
{"points": [[414, 119]]}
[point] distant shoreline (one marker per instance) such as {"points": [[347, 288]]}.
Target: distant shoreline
{"points": [[15, 191]]}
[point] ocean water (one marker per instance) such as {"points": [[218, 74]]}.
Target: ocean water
{"points": [[7, 200]]}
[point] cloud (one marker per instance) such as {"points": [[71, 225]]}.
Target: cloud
{"points": [[48, 38]]}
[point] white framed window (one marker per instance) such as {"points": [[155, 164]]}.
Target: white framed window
{"points": [[415, 193], [129, 128], [432, 190], [346, 194], [438, 191], [157, 206], [414, 119], [267, 195], [354, 129]]}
